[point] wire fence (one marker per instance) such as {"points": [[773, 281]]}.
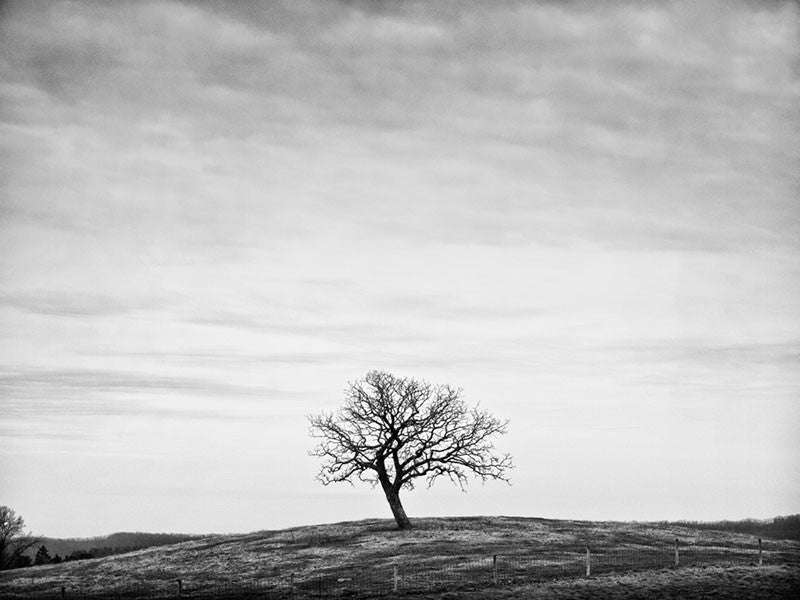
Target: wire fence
{"points": [[427, 575]]}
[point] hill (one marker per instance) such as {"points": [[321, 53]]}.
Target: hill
{"points": [[372, 557]]}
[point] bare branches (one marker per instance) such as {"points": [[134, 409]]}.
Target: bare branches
{"points": [[347, 446], [14, 542], [394, 430]]}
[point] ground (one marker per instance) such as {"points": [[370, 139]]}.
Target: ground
{"points": [[699, 583], [453, 558]]}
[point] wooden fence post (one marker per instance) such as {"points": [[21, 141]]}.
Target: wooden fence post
{"points": [[494, 569], [180, 588], [63, 592], [395, 579], [588, 562], [760, 559], [677, 560], [291, 585]]}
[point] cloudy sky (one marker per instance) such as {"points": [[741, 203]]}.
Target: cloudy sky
{"points": [[215, 215]]}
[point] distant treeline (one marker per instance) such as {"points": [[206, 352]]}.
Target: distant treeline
{"points": [[784, 528], [97, 547], [42, 556]]}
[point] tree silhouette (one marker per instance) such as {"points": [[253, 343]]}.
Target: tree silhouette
{"points": [[392, 431], [42, 556], [14, 542]]}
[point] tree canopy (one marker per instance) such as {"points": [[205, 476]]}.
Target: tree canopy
{"points": [[14, 542], [392, 431]]}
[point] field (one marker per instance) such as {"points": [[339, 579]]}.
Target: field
{"points": [[691, 583], [448, 558]]}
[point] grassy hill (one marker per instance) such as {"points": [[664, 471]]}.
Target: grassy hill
{"points": [[437, 556]]}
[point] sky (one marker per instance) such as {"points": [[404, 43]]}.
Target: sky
{"points": [[214, 215]]}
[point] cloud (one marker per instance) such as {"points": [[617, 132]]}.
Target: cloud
{"points": [[567, 115], [692, 371], [450, 307], [198, 358], [74, 399], [785, 354], [355, 331], [225, 210], [74, 304], [61, 384]]}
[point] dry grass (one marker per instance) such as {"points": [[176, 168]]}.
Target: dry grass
{"points": [[366, 551], [697, 583]]}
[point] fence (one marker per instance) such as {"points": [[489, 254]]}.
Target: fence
{"points": [[436, 574]]}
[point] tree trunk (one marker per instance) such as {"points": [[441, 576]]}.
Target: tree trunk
{"points": [[393, 497]]}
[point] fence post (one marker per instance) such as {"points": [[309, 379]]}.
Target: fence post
{"points": [[760, 559], [677, 560], [494, 569], [63, 592], [291, 585], [588, 562], [180, 588], [395, 579]]}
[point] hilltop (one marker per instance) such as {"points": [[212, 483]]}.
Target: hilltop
{"points": [[359, 556]]}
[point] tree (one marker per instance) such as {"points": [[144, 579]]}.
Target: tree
{"points": [[20, 562], [42, 556], [392, 431], [14, 542]]}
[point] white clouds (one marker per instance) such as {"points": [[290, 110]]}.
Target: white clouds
{"points": [[564, 105], [579, 200], [366, 32]]}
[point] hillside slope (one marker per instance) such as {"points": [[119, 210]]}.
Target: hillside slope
{"points": [[436, 553]]}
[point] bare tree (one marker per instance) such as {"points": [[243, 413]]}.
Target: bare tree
{"points": [[392, 431], [14, 542]]}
